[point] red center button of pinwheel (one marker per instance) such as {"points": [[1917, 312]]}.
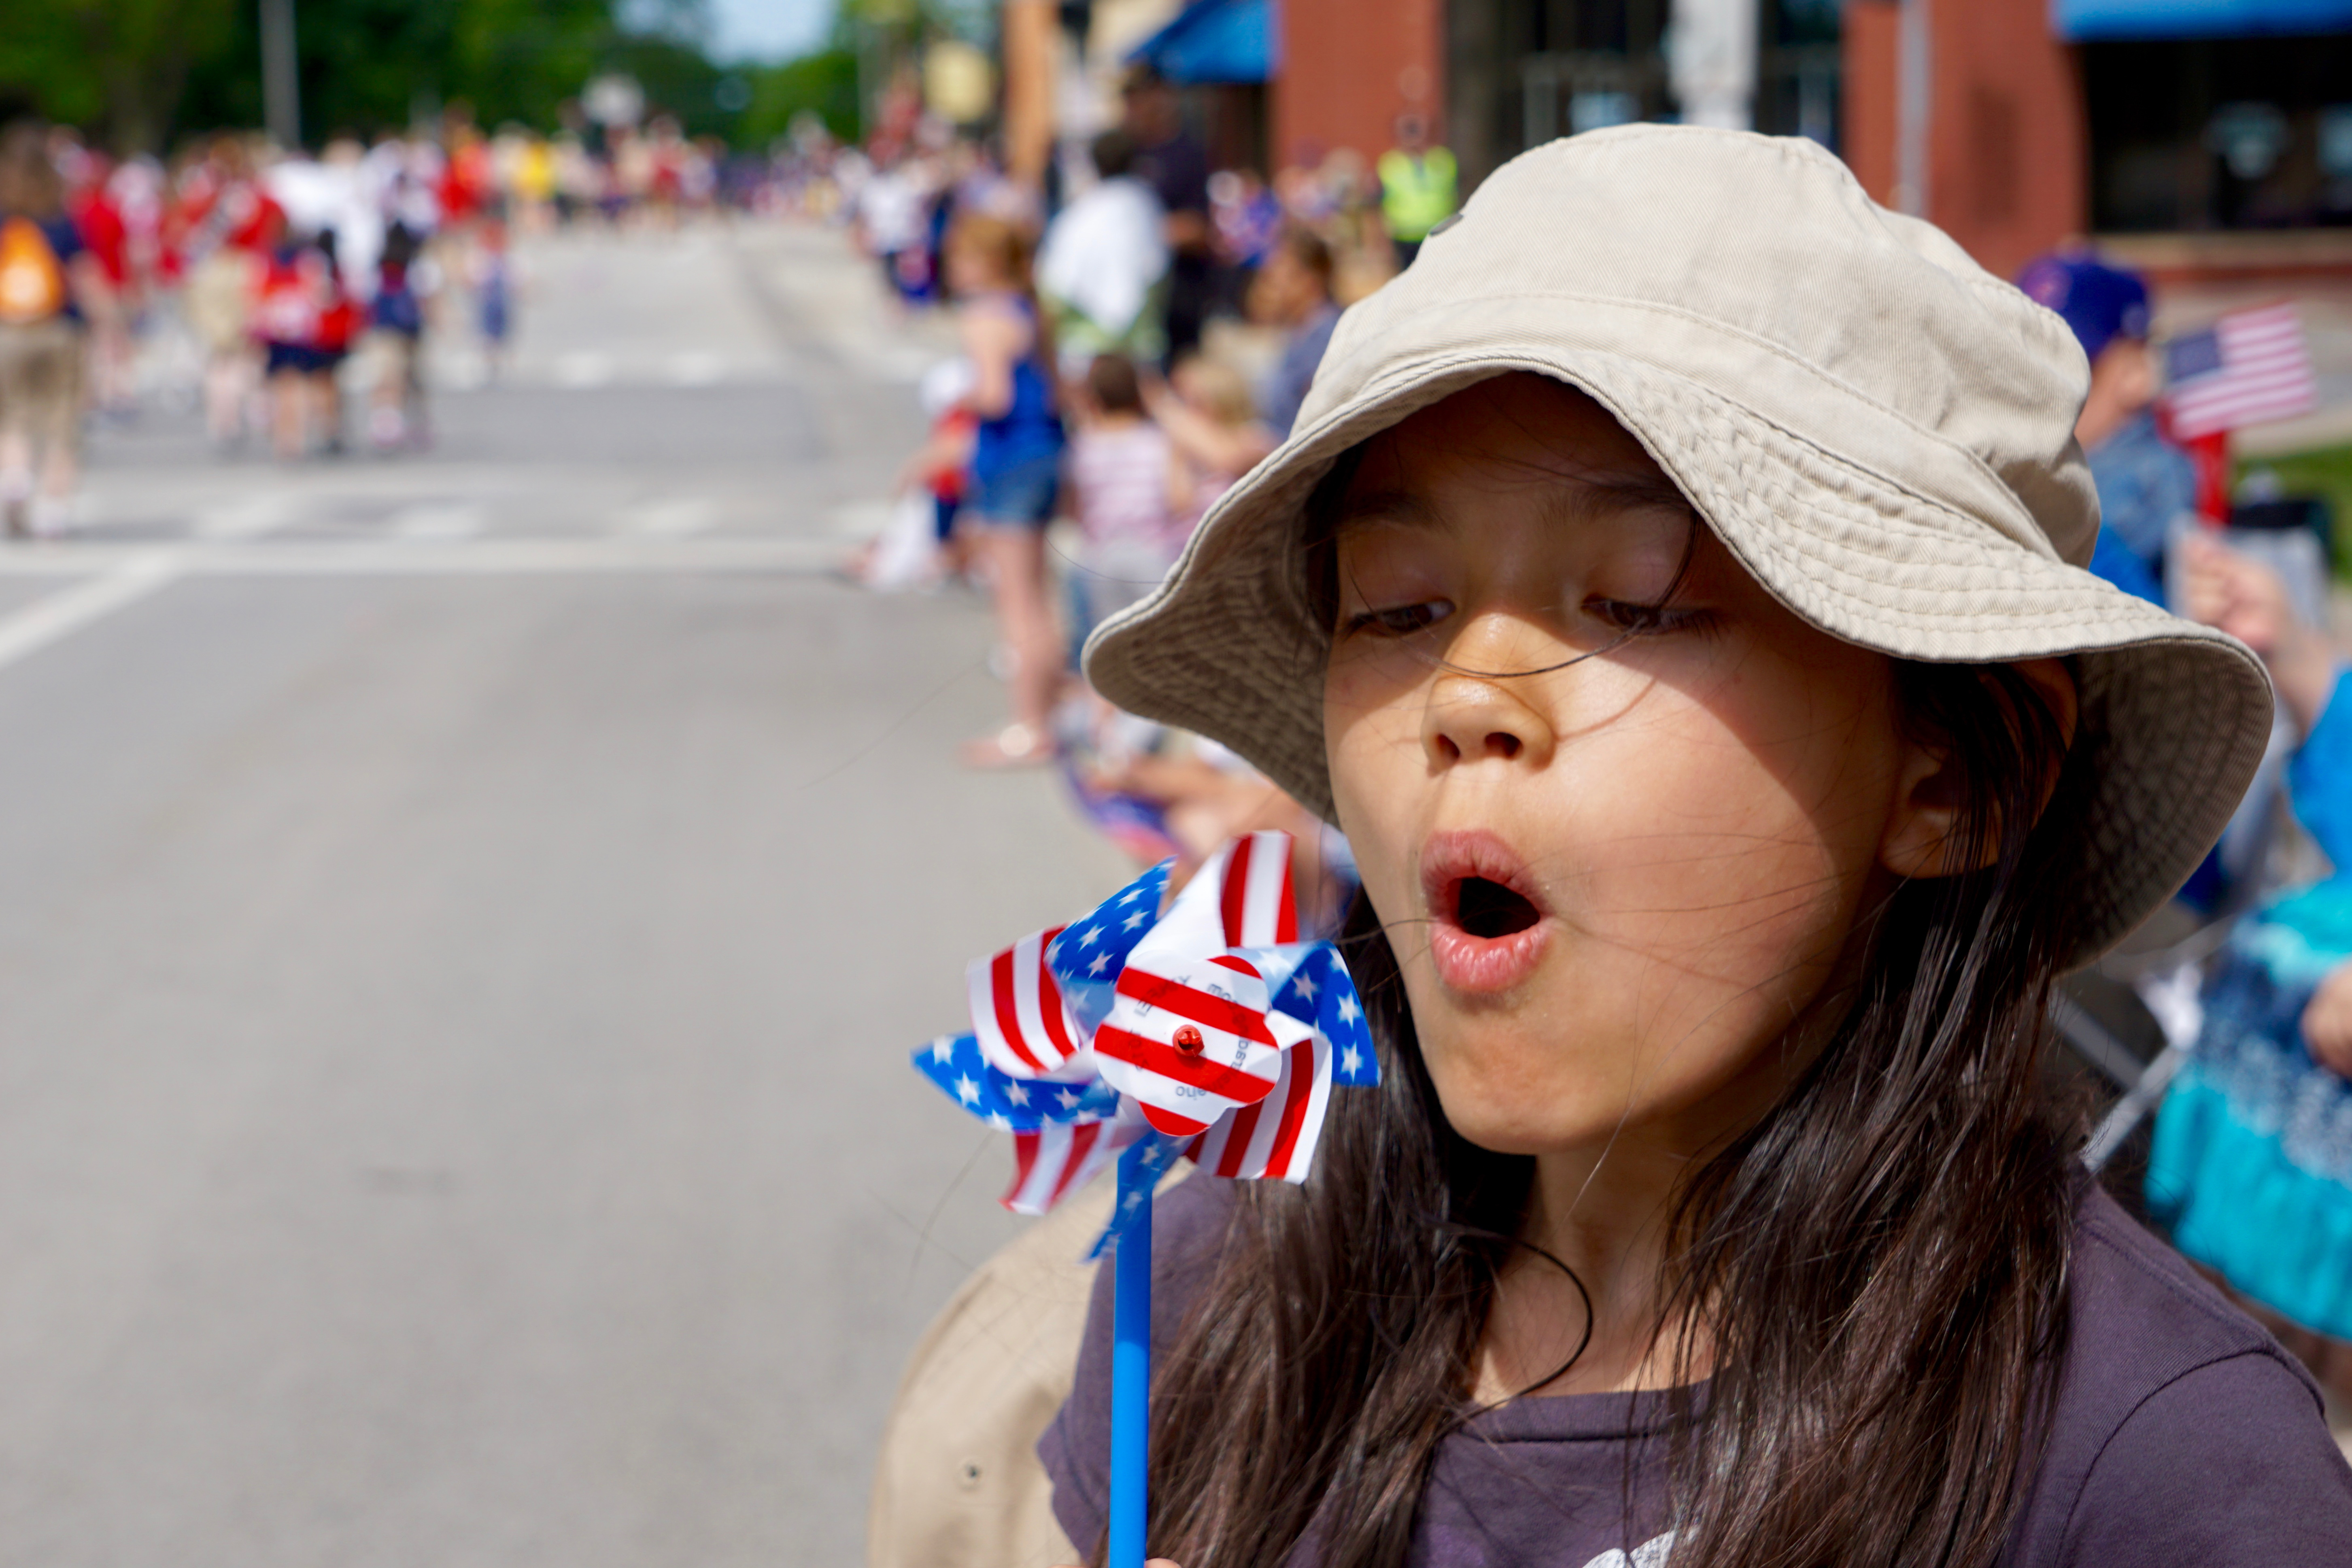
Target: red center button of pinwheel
{"points": [[1188, 1040]]}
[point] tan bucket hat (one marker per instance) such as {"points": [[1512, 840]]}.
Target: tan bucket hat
{"points": [[1881, 431]]}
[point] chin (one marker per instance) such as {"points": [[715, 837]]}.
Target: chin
{"points": [[1507, 1112]]}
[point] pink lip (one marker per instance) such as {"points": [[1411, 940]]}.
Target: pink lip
{"points": [[1478, 965]]}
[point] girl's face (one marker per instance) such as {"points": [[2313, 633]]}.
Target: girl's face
{"points": [[1612, 887]]}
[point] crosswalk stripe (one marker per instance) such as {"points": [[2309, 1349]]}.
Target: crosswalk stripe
{"points": [[447, 520], [452, 557], [676, 517], [60, 615], [247, 517]]}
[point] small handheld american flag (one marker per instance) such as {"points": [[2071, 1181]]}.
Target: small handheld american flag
{"points": [[1211, 1032], [2247, 368]]}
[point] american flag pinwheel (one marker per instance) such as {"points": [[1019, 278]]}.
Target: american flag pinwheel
{"points": [[1210, 1031]]}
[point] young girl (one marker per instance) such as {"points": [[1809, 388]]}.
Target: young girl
{"points": [[1016, 471], [1673, 589], [1118, 470]]}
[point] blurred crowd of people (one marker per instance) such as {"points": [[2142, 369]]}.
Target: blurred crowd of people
{"points": [[1149, 243], [1124, 361], [2250, 1169], [274, 285]]}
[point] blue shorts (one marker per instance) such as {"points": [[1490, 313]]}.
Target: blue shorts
{"points": [[1020, 496], [300, 359]]}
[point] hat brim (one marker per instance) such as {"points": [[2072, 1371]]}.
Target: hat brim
{"points": [[1229, 645]]}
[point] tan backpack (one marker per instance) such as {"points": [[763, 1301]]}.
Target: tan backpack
{"points": [[32, 283]]}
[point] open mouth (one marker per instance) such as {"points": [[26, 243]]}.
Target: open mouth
{"points": [[1488, 910], [1487, 931]]}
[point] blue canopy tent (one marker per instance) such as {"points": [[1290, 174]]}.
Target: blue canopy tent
{"points": [[2086, 21], [1214, 41]]}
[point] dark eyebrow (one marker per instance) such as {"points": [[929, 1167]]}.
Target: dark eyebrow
{"points": [[1395, 505], [1625, 493], [1587, 499]]}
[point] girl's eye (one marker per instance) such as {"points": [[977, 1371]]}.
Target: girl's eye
{"points": [[1402, 620], [1643, 620]]}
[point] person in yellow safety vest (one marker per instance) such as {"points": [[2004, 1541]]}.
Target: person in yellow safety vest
{"points": [[1419, 187]]}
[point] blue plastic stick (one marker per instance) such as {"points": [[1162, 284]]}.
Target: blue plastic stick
{"points": [[1131, 1391]]}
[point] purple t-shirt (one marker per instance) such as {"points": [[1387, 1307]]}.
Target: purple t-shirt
{"points": [[2183, 1435]]}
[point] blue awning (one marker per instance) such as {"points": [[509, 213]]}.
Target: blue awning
{"points": [[1214, 41], [2082, 21]]}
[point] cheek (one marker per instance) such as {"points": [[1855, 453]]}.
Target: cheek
{"points": [[1720, 870], [1731, 844], [1372, 742]]}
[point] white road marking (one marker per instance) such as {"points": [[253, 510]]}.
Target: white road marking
{"points": [[449, 557], [247, 517], [67, 611], [583, 367], [445, 520], [698, 368], [680, 517], [861, 518]]}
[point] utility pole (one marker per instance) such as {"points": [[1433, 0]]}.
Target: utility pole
{"points": [[1915, 84], [1712, 62], [281, 85]]}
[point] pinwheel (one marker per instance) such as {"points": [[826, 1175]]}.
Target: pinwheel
{"points": [[1209, 1032]]}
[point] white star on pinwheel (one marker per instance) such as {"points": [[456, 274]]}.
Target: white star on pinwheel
{"points": [[1001, 1121], [967, 1091], [1015, 1094], [1133, 1199], [1068, 1099], [943, 1049], [1135, 919], [1304, 986], [1129, 896], [1098, 964], [1350, 1060], [1348, 1011], [1090, 936]]}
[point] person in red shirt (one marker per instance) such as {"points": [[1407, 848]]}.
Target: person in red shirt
{"points": [[303, 322], [466, 183], [223, 224], [111, 306]]}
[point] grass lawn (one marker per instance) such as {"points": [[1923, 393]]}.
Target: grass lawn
{"points": [[2326, 472]]}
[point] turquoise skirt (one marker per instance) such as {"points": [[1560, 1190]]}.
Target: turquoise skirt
{"points": [[2251, 1167]]}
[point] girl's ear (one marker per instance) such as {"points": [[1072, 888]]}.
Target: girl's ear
{"points": [[1931, 790]]}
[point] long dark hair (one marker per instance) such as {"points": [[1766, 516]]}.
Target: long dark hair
{"points": [[1880, 1263]]}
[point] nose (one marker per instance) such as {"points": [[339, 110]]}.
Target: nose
{"points": [[1473, 718]]}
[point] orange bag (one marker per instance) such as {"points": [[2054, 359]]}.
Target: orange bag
{"points": [[32, 283]]}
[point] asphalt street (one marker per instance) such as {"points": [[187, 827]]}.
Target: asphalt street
{"points": [[467, 915]]}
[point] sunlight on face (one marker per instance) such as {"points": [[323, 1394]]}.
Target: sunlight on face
{"points": [[1613, 884]]}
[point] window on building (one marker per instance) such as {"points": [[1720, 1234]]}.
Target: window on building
{"points": [[2220, 133], [1525, 71], [1798, 68]]}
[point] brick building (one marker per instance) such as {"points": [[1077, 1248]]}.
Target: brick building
{"points": [[2223, 126]]}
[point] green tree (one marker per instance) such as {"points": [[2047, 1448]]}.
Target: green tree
{"points": [[678, 78], [141, 74], [115, 68], [374, 64], [823, 84]]}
